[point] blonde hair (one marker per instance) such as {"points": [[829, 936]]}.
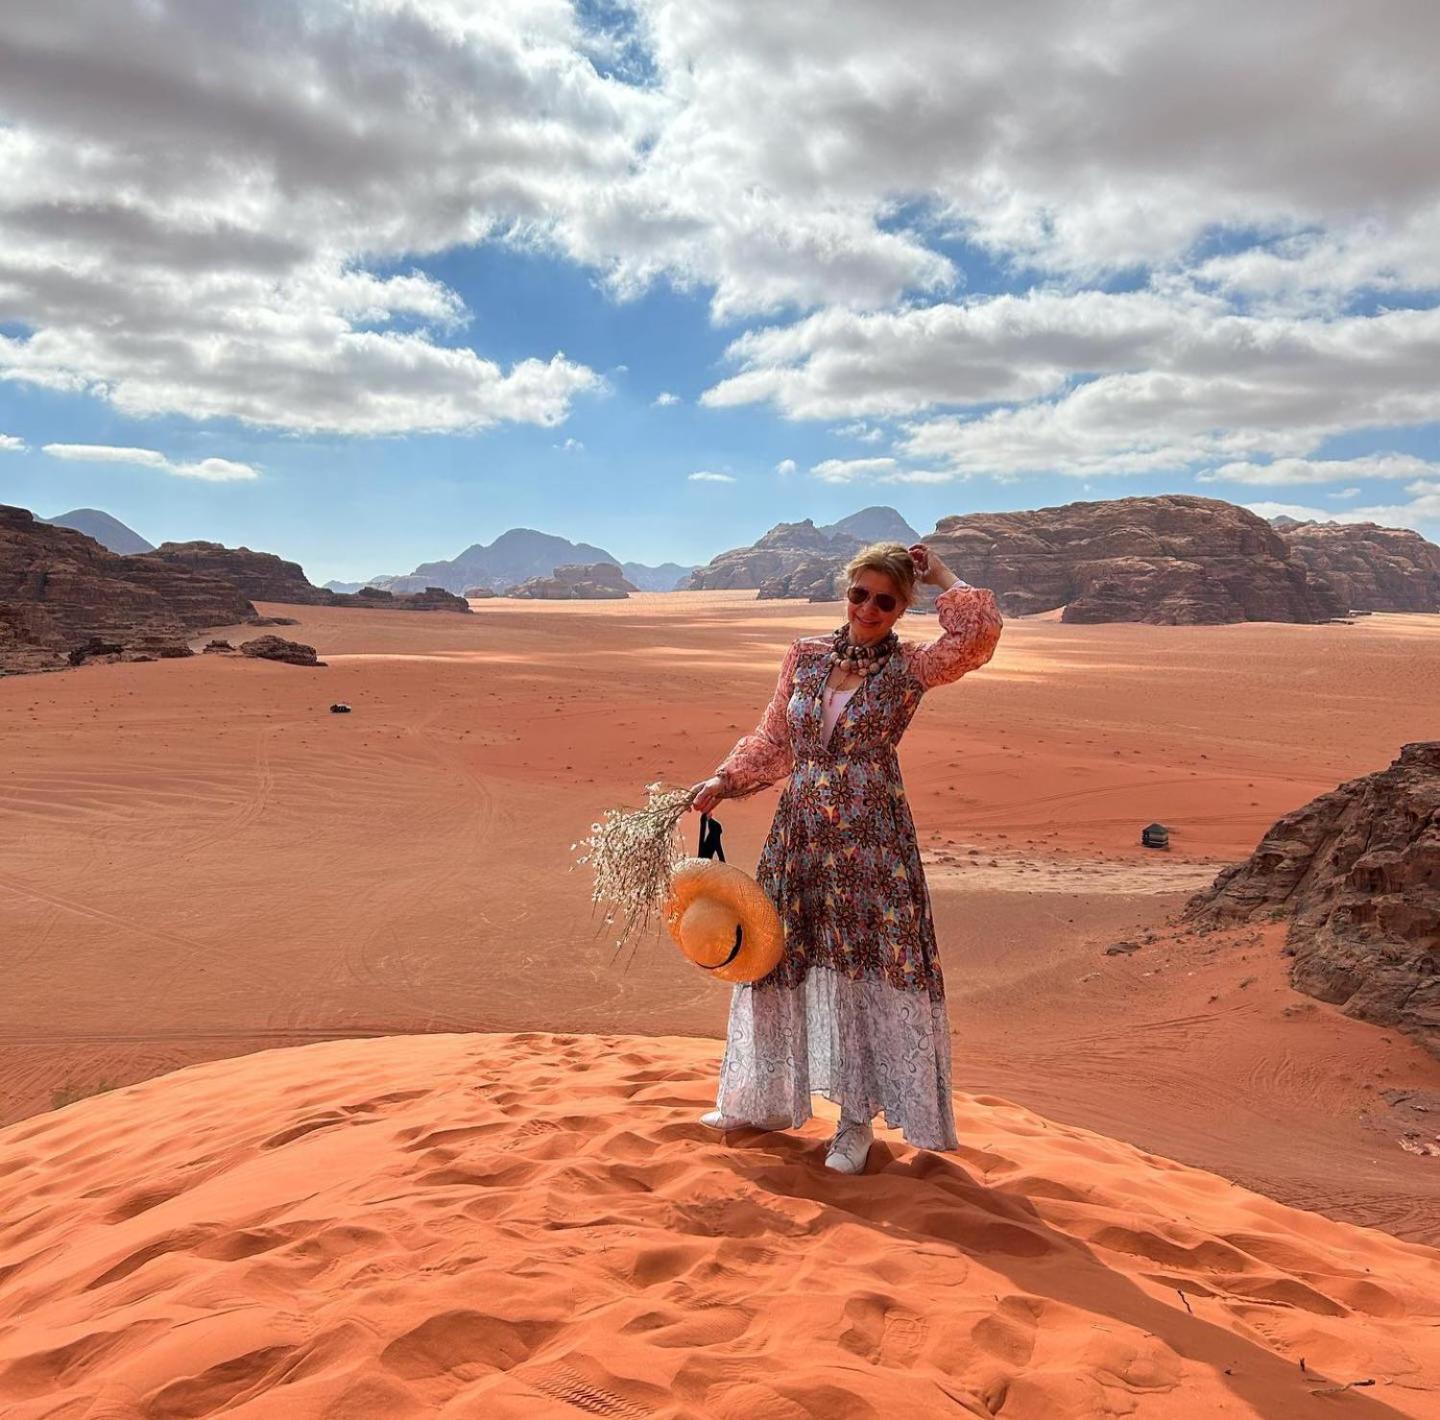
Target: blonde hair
{"points": [[891, 558]]}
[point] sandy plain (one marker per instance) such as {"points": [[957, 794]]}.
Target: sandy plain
{"points": [[198, 861], [479, 1187]]}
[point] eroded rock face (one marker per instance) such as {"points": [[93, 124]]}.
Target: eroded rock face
{"points": [[1165, 560], [264, 577], [62, 592], [1372, 568], [260, 576], [427, 599], [1357, 873], [817, 579], [597, 581], [784, 550], [277, 648]]}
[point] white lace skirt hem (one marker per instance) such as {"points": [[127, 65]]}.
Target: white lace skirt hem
{"points": [[864, 1045]]}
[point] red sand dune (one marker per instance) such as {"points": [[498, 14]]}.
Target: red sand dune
{"points": [[533, 1225]]}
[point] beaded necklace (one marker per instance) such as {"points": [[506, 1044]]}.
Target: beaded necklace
{"points": [[860, 660]]}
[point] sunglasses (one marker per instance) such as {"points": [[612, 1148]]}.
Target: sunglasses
{"points": [[883, 600]]}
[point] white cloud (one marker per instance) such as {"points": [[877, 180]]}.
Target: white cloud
{"points": [[1345, 493], [785, 467], [851, 470], [211, 470], [665, 398], [1422, 512], [1298, 511], [1300, 471], [570, 446], [706, 477], [12, 444]]}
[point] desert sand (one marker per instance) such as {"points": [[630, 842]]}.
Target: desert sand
{"points": [[534, 1225], [200, 862]]}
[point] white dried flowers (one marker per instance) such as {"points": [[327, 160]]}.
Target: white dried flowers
{"points": [[632, 853]]}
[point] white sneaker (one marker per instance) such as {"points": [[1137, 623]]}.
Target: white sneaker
{"points": [[715, 1120], [850, 1148]]}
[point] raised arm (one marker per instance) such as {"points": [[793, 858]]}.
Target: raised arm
{"points": [[970, 625], [765, 754]]}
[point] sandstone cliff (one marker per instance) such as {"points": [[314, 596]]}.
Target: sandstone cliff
{"points": [[1165, 560], [1372, 568], [784, 549], [600, 581], [1357, 873], [261, 576], [65, 598], [264, 577]]}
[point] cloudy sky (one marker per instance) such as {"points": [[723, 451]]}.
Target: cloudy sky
{"points": [[364, 282]]}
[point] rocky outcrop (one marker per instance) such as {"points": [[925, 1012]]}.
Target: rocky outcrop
{"points": [[260, 576], [800, 559], [427, 599], [264, 577], [479, 593], [109, 532], [62, 592], [1357, 873], [600, 581], [782, 551], [1372, 568], [816, 579], [1167, 560], [276, 648]]}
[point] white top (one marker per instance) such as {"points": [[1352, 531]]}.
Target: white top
{"points": [[834, 706]]}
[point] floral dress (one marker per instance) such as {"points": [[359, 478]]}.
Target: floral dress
{"points": [[855, 1010]]}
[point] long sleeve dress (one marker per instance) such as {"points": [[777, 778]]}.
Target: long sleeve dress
{"points": [[855, 1010]]}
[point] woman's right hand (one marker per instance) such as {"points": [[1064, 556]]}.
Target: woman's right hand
{"points": [[707, 793]]}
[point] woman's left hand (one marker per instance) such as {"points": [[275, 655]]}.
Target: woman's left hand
{"points": [[929, 565]]}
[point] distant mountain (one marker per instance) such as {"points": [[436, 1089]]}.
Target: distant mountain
{"points": [[109, 532], [667, 577], [515, 556], [879, 524]]}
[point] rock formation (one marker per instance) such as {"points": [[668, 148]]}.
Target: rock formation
{"points": [[276, 648], [264, 577], [782, 550], [1372, 568], [600, 581], [800, 559], [62, 593], [817, 579], [260, 576], [1165, 560], [109, 532], [427, 599], [479, 593], [1357, 873]]}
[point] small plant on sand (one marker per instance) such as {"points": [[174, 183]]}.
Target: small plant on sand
{"points": [[632, 853], [68, 1093]]}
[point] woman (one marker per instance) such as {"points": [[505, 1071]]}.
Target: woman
{"points": [[856, 1008]]}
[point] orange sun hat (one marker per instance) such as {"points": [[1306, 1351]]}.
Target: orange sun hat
{"points": [[720, 917]]}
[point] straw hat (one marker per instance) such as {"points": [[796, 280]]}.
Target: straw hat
{"points": [[722, 920]]}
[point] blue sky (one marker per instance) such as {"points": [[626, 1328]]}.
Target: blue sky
{"points": [[363, 303]]}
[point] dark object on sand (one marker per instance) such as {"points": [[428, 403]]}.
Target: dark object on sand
{"points": [[340, 708], [1155, 835]]}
